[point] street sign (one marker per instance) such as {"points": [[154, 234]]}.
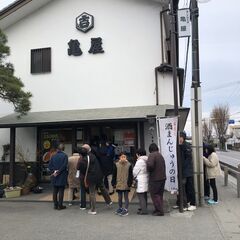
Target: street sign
{"points": [[231, 121], [184, 22]]}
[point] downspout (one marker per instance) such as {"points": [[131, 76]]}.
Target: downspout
{"points": [[156, 84], [162, 53], [161, 30]]}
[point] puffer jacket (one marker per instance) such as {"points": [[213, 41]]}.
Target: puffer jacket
{"points": [[73, 181], [212, 166], [141, 174]]}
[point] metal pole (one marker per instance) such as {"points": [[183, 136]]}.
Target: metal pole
{"points": [[197, 108], [175, 94]]}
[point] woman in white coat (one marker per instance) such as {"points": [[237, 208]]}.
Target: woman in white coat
{"points": [[213, 170], [141, 175]]}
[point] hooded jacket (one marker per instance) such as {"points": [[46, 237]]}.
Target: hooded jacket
{"points": [[141, 174]]}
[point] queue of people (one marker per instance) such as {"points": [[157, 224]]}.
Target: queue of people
{"points": [[86, 171]]}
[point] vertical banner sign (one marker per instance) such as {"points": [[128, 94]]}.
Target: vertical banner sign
{"points": [[168, 145], [184, 22]]}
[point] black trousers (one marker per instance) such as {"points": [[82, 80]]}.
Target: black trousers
{"points": [[190, 192], [212, 183], [82, 194], [58, 194], [185, 205]]}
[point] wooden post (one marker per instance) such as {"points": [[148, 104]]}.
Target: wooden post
{"points": [[12, 155]]}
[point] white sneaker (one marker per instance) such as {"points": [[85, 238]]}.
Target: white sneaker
{"points": [[109, 204], [82, 208], [175, 207], [92, 212], [70, 204], [191, 208]]}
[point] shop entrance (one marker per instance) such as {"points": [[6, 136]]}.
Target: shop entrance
{"points": [[122, 136]]}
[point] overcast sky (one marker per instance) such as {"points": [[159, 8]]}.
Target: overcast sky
{"points": [[219, 38]]}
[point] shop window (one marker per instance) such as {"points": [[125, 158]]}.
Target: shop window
{"points": [[41, 60]]}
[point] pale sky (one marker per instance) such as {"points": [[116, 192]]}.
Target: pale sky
{"points": [[219, 55], [219, 41]]}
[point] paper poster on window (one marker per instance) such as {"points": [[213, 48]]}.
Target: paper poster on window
{"points": [[168, 145], [129, 138]]}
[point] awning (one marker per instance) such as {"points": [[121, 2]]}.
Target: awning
{"points": [[137, 113]]}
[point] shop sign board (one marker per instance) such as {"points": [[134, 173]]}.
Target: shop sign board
{"points": [[184, 25]]}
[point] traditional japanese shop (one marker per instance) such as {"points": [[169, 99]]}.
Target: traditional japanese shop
{"points": [[31, 136]]}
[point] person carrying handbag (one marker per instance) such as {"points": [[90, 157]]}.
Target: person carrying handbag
{"points": [[93, 177], [141, 175]]}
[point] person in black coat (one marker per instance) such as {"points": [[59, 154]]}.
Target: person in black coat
{"points": [[58, 168], [90, 168], [187, 171], [105, 156]]}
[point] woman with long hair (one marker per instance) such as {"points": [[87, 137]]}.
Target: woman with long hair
{"points": [[212, 171]]}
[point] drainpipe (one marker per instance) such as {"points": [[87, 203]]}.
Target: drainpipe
{"points": [[156, 84], [161, 29], [162, 54]]}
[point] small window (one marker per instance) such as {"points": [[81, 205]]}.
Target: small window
{"points": [[41, 60]]}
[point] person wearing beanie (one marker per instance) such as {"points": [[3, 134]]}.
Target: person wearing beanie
{"points": [[90, 168], [187, 173]]}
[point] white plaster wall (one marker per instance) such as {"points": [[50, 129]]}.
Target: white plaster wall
{"points": [[122, 76], [165, 88], [26, 143]]}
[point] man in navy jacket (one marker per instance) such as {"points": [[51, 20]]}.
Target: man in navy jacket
{"points": [[58, 168]]}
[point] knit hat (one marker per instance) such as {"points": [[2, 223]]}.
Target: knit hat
{"points": [[183, 135], [86, 146]]}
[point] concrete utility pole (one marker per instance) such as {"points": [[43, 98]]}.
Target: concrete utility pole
{"points": [[196, 109], [173, 12]]}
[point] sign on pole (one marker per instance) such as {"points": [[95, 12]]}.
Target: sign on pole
{"points": [[184, 29], [168, 144]]}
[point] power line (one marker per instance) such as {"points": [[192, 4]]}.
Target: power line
{"points": [[229, 84]]}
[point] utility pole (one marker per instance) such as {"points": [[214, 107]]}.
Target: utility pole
{"points": [[196, 109], [173, 14]]}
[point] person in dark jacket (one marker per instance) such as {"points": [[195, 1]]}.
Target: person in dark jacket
{"points": [[106, 163], [90, 168], [189, 201], [157, 177], [58, 168]]}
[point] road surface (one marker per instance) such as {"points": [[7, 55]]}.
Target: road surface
{"points": [[229, 157]]}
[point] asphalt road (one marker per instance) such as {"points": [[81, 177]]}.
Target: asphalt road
{"points": [[229, 157], [38, 221]]}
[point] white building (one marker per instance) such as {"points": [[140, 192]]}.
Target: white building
{"points": [[91, 97]]}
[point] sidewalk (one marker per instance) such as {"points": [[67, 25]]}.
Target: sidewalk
{"points": [[38, 220], [227, 212]]}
